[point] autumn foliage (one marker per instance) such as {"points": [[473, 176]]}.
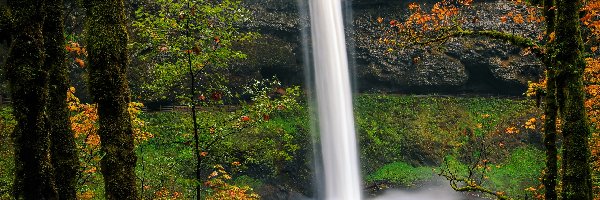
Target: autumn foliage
{"points": [[221, 190], [84, 123], [592, 104], [76, 52]]}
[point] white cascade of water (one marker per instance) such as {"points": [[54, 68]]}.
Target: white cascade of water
{"points": [[334, 101]]}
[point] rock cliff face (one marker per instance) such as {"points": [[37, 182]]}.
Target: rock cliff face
{"points": [[463, 65]]}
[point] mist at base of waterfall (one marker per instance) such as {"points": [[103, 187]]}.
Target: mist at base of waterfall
{"points": [[435, 190]]}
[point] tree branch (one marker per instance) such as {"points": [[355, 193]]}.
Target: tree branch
{"points": [[512, 38], [455, 31], [472, 186]]}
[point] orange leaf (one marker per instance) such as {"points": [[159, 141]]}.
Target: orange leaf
{"points": [[552, 36], [80, 62], [245, 118], [586, 17]]}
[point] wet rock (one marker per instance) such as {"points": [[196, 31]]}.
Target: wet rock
{"points": [[462, 65]]}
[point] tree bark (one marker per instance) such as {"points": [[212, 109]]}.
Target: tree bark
{"points": [[5, 16], [28, 79], [551, 113], [107, 59], [63, 150], [551, 106], [576, 172]]}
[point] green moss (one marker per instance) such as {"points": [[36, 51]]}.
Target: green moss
{"points": [[28, 77], [513, 39], [107, 47], [520, 171], [424, 129], [63, 150], [401, 174], [576, 171]]}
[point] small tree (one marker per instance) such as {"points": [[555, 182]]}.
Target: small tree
{"points": [[193, 39]]}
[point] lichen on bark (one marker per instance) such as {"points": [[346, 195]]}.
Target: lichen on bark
{"points": [[63, 150], [576, 172], [107, 59], [27, 76], [551, 107]]}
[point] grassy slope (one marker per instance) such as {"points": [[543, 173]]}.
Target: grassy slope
{"points": [[421, 130], [404, 137], [401, 137]]}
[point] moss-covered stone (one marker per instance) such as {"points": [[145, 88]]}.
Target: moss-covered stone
{"points": [[107, 47]]}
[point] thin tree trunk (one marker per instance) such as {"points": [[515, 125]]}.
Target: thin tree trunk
{"points": [[28, 79], [576, 172], [194, 119], [551, 107], [64, 153], [107, 47], [551, 113]]}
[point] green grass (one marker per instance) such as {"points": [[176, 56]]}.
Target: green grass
{"points": [[403, 137], [425, 129], [401, 174], [7, 167], [520, 171]]}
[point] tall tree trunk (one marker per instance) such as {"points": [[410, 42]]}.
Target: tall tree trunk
{"points": [[63, 150], [576, 172], [4, 22], [107, 48], [551, 106], [28, 79], [551, 114]]}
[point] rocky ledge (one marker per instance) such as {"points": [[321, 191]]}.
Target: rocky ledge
{"points": [[464, 65]]}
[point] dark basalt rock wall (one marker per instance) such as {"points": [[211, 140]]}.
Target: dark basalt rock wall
{"points": [[463, 65]]}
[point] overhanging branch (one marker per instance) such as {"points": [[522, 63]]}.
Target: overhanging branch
{"points": [[511, 38]]}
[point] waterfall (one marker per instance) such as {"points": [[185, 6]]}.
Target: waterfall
{"points": [[334, 101]]}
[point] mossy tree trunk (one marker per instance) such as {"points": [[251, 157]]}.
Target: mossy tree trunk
{"points": [[28, 79], [576, 172], [4, 22], [107, 59], [63, 150], [551, 106], [551, 115]]}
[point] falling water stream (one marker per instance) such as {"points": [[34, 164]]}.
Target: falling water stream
{"points": [[334, 102]]}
